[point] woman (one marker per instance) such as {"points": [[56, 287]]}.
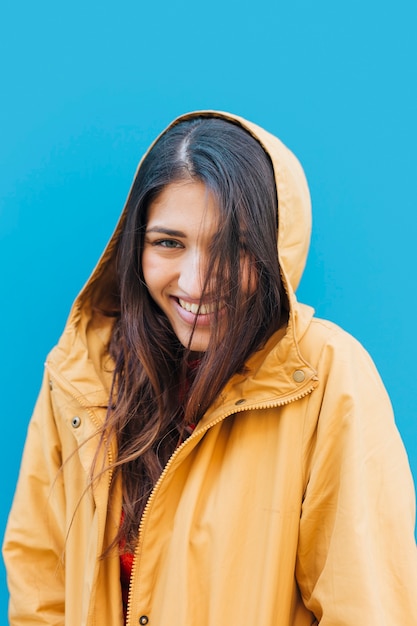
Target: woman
{"points": [[204, 451]]}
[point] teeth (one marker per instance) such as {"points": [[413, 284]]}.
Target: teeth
{"points": [[203, 309]]}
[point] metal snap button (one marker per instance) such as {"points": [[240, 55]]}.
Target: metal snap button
{"points": [[76, 421], [299, 376], [143, 620], [241, 401]]}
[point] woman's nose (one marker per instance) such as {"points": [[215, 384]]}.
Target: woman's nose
{"points": [[192, 275]]}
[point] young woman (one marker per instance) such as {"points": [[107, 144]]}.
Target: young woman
{"points": [[205, 452]]}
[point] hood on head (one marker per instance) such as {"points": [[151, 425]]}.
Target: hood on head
{"points": [[294, 219]]}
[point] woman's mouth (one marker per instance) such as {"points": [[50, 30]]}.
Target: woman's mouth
{"points": [[197, 309]]}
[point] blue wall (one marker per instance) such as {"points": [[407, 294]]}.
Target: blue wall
{"points": [[87, 85]]}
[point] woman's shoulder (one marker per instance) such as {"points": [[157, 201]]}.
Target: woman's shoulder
{"points": [[324, 341]]}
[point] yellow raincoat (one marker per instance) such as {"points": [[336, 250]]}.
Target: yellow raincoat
{"points": [[291, 504]]}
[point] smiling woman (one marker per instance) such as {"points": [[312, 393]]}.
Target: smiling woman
{"points": [[203, 447]]}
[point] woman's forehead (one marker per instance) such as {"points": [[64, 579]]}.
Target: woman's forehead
{"points": [[186, 207]]}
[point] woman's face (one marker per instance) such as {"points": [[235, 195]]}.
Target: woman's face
{"points": [[182, 222]]}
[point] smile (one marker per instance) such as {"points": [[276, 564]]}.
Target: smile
{"points": [[200, 309]]}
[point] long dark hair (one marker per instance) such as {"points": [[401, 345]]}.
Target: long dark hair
{"points": [[156, 393]]}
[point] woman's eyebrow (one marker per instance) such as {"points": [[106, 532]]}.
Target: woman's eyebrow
{"points": [[166, 231]]}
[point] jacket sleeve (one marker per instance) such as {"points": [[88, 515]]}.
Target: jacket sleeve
{"points": [[35, 533], [357, 558]]}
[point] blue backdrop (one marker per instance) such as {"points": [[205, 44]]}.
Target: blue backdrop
{"points": [[87, 85]]}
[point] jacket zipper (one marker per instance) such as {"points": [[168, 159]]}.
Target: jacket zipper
{"points": [[194, 435]]}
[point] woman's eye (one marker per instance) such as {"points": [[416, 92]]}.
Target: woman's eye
{"points": [[167, 243]]}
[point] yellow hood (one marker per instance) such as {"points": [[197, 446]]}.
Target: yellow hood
{"points": [[294, 208]]}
